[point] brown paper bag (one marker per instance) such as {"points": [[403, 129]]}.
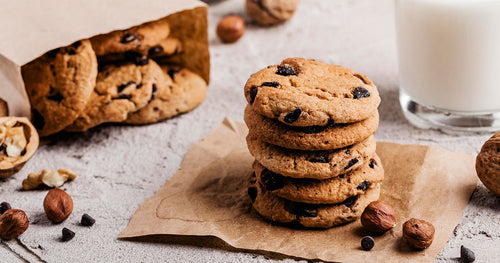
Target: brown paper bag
{"points": [[29, 29], [208, 197]]}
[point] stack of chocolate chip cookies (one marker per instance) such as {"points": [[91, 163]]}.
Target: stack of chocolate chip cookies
{"points": [[114, 77], [310, 131]]}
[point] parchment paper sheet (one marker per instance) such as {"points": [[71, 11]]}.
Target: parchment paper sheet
{"points": [[208, 197], [31, 28]]}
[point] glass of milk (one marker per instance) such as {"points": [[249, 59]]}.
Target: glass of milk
{"points": [[449, 63]]}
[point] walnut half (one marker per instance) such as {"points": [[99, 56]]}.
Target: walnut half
{"points": [[18, 142]]}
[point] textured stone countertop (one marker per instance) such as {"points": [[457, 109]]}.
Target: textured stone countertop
{"points": [[120, 166]]}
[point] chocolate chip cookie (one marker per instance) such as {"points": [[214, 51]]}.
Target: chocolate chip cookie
{"points": [[120, 90], [163, 49], [133, 39], [281, 210], [59, 85], [328, 191], [301, 92], [311, 164], [184, 90], [312, 138]]}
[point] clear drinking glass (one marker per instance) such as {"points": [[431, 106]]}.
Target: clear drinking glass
{"points": [[449, 63]]}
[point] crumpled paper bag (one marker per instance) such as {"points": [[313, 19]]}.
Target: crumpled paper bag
{"points": [[208, 197]]}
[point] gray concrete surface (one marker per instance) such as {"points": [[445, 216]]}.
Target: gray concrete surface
{"points": [[121, 166]]}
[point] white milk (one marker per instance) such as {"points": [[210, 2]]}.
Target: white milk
{"points": [[449, 53]]}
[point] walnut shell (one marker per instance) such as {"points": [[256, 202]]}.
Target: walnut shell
{"points": [[488, 164], [418, 233], [271, 12], [8, 169]]}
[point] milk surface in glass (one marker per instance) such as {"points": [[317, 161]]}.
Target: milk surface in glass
{"points": [[449, 53]]}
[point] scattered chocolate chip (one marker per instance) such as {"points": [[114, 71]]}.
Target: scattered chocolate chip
{"points": [[172, 72], [272, 181], [156, 109], [37, 119], [123, 96], [319, 159], [87, 220], [349, 201], [467, 255], [142, 61], [67, 234], [372, 164], [360, 92], [367, 243], [363, 186], [352, 162], [253, 94], [4, 206], [125, 85], [155, 50], [292, 116], [76, 44], [53, 53], [273, 84], [285, 70], [57, 97], [127, 38], [252, 193]]}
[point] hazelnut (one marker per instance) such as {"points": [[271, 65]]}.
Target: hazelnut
{"points": [[13, 223], [18, 142], [58, 205], [270, 12], [378, 217], [418, 233], [231, 28]]}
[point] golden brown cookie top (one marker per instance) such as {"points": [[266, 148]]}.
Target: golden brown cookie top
{"points": [[302, 92]]}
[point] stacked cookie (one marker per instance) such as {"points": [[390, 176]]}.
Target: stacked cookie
{"points": [[310, 131], [114, 77]]}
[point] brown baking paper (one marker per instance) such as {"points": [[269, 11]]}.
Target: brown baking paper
{"points": [[208, 197], [31, 28]]}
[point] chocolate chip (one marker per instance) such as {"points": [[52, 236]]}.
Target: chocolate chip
{"points": [[273, 84], [272, 181], [153, 94], [76, 44], [37, 119], [57, 97], [155, 50], [138, 86], [67, 234], [87, 220], [2, 147], [72, 52], [172, 72], [123, 96], [141, 61], [53, 53], [319, 159], [292, 116], [367, 243], [285, 70], [253, 94], [156, 109], [372, 164], [4, 206], [348, 151], [304, 210], [467, 255], [127, 38], [252, 193], [352, 162], [349, 201], [360, 92], [125, 85], [363, 186]]}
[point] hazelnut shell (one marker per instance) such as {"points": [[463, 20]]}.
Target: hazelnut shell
{"points": [[33, 141], [230, 29], [418, 234]]}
